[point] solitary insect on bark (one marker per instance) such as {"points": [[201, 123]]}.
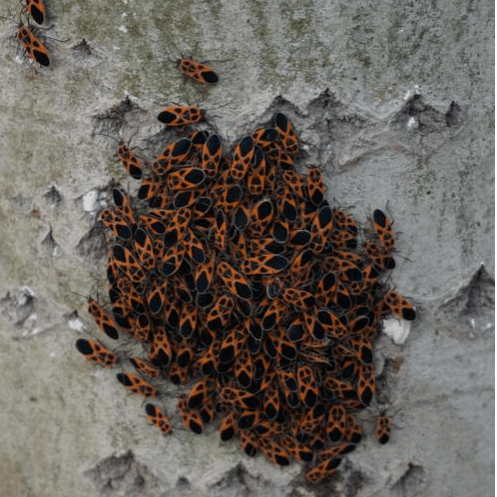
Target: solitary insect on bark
{"points": [[33, 47], [201, 73]]}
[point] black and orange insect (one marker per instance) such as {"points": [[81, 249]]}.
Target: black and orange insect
{"points": [[116, 224], [249, 442], [299, 451], [36, 8], [191, 418], [380, 257], [144, 367], [161, 351], [242, 158], [201, 73], [383, 430], [383, 227], [335, 451], [175, 154], [322, 224], [220, 313], [315, 185], [177, 374], [244, 368], [131, 163], [128, 264], [94, 351], [144, 249], [366, 384], [200, 393], [32, 45], [264, 264], [102, 318], [135, 384], [239, 398], [211, 155], [336, 422], [273, 314], [227, 428], [174, 117], [274, 451], [286, 134], [236, 282], [261, 217], [185, 178], [296, 183], [123, 206], [308, 385], [289, 386], [323, 470], [398, 306], [157, 417]]}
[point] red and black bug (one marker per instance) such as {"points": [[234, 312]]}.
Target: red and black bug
{"points": [[383, 227], [201, 73], [157, 417], [323, 470], [383, 430], [181, 116], [94, 351], [242, 158], [131, 163], [135, 384], [32, 45], [36, 8], [191, 418], [102, 318]]}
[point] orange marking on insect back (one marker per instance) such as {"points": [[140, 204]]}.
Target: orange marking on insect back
{"points": [[175, 154], [116, 224], [158, 418], [286, 134], [128, 264], [274, 451], [315, 185], [33, 47], [191, 418], [36, 8], [161, 351], [181, 116], [383, 227], [220, 313], [366, 384], [383, 429], [227, 428], [236, 282], [132, 164], [102, 318], [308, 385], [399, 306], [323, 470], [144, 367], [94, 351], [198, 72], [242, 157], [239, 398], [249, 442], [299, 451], [336, 422], [135, 384]]}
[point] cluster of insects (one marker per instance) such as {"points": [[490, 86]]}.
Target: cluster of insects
{"points": [[247, 288]]}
